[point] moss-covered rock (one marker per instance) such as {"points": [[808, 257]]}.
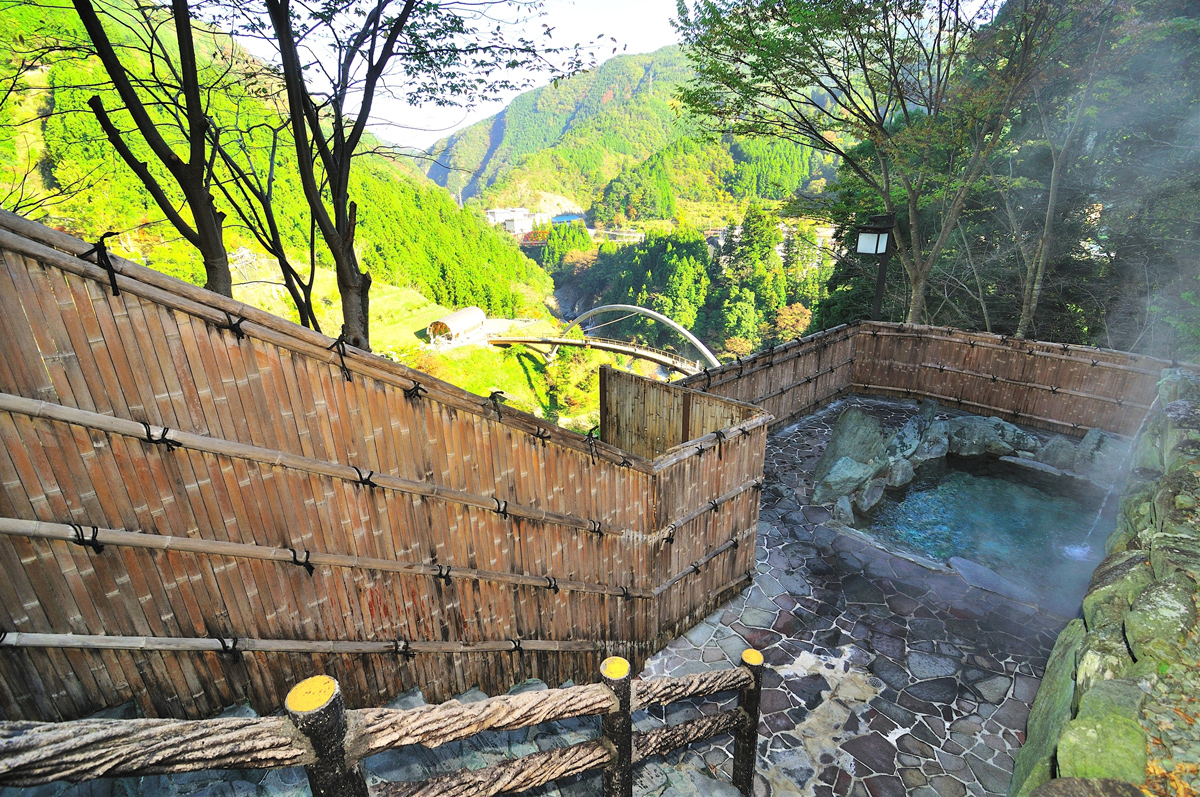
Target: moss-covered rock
{"points": [[1147, 449], [1116, 583], [1050, 714], [1160, 617], [1107, 746], [1101, 657], [1120, 697]]}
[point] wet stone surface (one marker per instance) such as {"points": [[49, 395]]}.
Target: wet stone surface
{"points": [[885, 676]]}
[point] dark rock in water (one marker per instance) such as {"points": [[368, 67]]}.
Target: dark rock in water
{"points": [[900, 473], [1086, 787], [974, 435], [858, 436], [935, 444], [1058, 453], [1099, 456], [869, 496]]}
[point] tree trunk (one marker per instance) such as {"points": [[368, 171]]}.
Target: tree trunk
{"points": [[916, 305], [210, 230], [354, 287]]}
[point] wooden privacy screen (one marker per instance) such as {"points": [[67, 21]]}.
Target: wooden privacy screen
{"points": [[1052, 386], [201, 504], [649, 418]]}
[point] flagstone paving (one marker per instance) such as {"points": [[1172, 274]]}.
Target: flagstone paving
{"points": [[885, 676]]}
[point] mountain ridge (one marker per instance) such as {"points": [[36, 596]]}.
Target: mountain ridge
{"points": [[615, 131]]}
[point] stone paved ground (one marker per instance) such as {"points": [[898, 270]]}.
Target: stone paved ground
{"points": [[885, 676]]}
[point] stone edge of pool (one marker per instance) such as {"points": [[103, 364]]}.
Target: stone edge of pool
{"points": [[1127, 658]]}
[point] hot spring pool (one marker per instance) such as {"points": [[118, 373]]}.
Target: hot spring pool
{"points": [[1035, 537]]}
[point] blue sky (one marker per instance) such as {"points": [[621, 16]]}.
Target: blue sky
{"points": [[639, 26]]}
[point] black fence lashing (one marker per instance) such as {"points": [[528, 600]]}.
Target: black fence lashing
{"points": [[317, 732]]}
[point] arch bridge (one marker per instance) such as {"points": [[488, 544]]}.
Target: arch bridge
{"points": [[667, 359]]}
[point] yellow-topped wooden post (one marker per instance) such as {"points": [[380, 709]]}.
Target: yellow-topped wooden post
{"points": [[318, 710], [745, 740], [617, 729]]}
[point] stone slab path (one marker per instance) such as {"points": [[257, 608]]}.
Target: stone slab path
{"points": [[886, 676]]}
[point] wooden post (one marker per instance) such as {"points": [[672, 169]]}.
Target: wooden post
{"points": [[318, 709], [617, 729], [745, 741], [605, 431]]}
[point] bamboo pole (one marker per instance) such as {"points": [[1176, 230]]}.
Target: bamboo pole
{"points": [[37, 529], [212, 445], [233, 646]]}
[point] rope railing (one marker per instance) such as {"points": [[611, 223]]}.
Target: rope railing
{"points": [[319, 734]]}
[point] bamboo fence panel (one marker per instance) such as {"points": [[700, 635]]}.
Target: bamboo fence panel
{"points": [[435, 522], [1051, 386], [789, 380]]}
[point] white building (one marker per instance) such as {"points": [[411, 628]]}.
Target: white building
{"points": [[517, 221], [456, 326]]}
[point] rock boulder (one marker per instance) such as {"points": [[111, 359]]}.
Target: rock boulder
{"points": [[974, 435], [846, 476], [1058, 453], [857, 436]]}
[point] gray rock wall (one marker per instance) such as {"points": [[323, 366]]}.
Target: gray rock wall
{"points": [[1090, 714]]}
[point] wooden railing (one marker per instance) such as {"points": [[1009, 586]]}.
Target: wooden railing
{"points": [[199, 500], [1054, 386], [319, 734]]}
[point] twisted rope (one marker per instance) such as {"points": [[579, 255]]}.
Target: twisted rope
{"points": [[41, 752], [663, 740], [380, 729], [658, 691], [507, 776]]}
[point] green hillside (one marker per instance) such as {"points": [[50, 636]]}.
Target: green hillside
{"points": [[611, 141], [411, 234]]}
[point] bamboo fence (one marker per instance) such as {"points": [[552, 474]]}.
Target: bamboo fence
{"points": [[199, 500], [1052, 386]]}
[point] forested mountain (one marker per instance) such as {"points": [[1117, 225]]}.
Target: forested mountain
{"points": [[410, 232], [612, 141]]}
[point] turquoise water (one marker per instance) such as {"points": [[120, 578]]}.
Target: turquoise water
{"points": [[1033, 537]]}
